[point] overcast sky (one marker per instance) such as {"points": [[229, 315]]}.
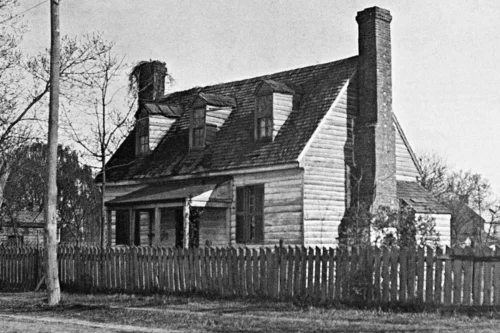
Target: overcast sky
{"points": [[446, 56]]}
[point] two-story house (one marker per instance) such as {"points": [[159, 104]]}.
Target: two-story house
{"points": [[270, 158]]}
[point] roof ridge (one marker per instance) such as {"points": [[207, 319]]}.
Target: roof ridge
{"points": [[265, 76]]}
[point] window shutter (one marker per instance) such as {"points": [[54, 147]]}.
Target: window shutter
{"points": [[240, 215], [259, 213]]}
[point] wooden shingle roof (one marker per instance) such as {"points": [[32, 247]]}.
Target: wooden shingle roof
{"points": [[419, 198], [234, 146]]}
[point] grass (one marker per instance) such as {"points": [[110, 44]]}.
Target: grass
{"points": [[194, 313]]}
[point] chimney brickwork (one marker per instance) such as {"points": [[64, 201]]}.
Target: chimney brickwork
{"points": [[375, 147], [150, 77]]}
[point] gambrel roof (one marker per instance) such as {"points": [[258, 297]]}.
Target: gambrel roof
{"points": [[234, 146]]}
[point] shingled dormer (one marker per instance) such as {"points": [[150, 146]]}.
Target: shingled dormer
{"points": [[208, 114], [273, 104], [153, 122]]}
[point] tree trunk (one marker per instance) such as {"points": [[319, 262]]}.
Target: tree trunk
{"points": [[50, 211], [103, 207], [186, 212], [4, 175]]}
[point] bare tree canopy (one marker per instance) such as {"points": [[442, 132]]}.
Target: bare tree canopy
{"points": [[463, 192]]}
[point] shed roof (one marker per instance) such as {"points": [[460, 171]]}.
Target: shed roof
{"points": [[419, 198]]}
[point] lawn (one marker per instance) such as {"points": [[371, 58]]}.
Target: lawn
{"points": [[198, 314]]}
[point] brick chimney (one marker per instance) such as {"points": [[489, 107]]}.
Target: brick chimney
{"points": [[375, 146], [150, 78]]}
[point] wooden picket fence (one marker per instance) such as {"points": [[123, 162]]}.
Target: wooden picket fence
{"points": [[20, 267], [463, 277]]}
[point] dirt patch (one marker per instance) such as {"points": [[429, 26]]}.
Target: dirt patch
{"points": [[159, 313]]}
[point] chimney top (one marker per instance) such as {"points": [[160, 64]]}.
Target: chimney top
{"points": [[374, 13]]}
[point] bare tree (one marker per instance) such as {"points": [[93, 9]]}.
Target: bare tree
{"points": [[463, 192], [105, 120], [24, 86]]}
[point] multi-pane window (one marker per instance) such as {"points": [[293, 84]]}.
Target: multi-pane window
{"points": [[264, 119], [142, 136], [250, 214], [144, 144], [198, 124]]}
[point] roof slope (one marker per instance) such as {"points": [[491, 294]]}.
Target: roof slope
{"points": [[234, 146], [419, 198]]}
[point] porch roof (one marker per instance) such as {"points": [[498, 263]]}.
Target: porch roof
{"points": [[200, 193]]}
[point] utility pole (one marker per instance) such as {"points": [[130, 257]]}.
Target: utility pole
{"points": [[50, 254]]}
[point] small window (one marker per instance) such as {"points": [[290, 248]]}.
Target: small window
{"points": [[198, 128], [144, 144], [250, 214], [142, 140], [264, 119]]}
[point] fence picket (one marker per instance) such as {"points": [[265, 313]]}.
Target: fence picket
{"points": [[457, 278], [394, 273], [487, 278], [420, 273], [496, 278], [403, 274], [429, 272], [438, 277], [478, 277], [290, 270]]}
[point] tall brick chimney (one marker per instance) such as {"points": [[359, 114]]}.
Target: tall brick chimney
{"points": [[375, 144], [150, 78]]}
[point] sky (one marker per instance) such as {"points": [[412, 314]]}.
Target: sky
{"points": [[445, 54]]}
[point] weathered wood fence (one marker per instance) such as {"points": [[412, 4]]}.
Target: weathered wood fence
{"points": [[469, 276]]}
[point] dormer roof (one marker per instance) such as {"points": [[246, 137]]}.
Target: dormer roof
{"points": [[272, 86], [215, 100], [167, 110]]}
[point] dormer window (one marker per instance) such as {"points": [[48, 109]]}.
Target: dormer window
{"points": [[198, 128], [144, 144], [264, 106], [154, 120], [273, 104], [142, 141], [208, 114]]}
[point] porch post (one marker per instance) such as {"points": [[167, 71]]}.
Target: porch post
{"points": [[186, 222]]}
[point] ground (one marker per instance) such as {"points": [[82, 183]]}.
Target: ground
{"points": [[28, 312]]}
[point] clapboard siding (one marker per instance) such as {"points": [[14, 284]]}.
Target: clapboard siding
{"points": [[443, 227], [31, 236], [282, 107], [213, 227], [405, 167], [325, 187], [158, 127], [217, 117], [282, 205]]}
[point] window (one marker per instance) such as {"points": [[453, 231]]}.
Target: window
{"points": [[144, 144], [264, 112], [142, 141], [250, 214], [198, 128]]}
